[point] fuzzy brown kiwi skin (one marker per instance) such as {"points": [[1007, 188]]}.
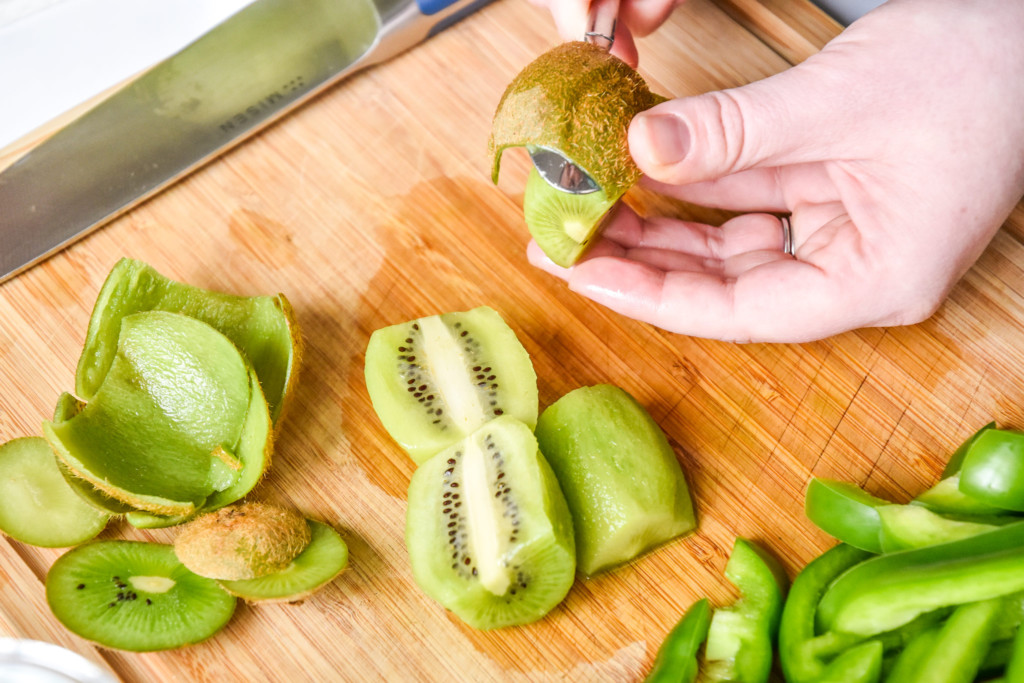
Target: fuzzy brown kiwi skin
{"points": [[242, 541]]}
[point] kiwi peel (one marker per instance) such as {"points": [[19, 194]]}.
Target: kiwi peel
{"points": [[488, 530], [623, 483], [242, 541], [437, 379]]}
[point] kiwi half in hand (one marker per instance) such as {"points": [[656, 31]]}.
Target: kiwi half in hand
{"points": [[263, 327], [437, 379], [579, 100], [37, 505], [135, 596], [488, 531], [621, 478]]}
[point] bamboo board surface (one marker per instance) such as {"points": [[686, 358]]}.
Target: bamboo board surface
{"points": [[372, 205]]}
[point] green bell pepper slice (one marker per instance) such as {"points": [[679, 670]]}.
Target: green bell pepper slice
{"points": [[885, 592], [677, 658], [956, 460], [945, 497], [913, 526], [1015, 666], [993, 469], [846, 512], [860, 664], [741, 637], [960, 645]]}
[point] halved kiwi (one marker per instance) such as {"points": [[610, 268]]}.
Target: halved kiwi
{"points": [[563, 225], [37, 505], [135, 596], [437, 379], [176, 396], [621, 478], [317, 565], [263, 327], [488, 531], [242, 541]]}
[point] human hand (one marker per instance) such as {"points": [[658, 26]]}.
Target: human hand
{"points": [[898, 150]]}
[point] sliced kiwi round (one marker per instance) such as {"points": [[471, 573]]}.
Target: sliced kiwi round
{"points": [[263, 327], [135, 596], [621, 478], [154, 434], [578, 99], [563, 225], [436, 379], [242, 541], [322, 560], [488, 531], [37, 505]]}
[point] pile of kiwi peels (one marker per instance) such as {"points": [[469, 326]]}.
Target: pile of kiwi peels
{"points": [[505, 508], [178, 392]]}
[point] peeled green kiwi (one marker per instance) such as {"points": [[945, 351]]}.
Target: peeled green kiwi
{"points": [[437, 379], [159, 432], [621, 478], [563, 225], [37, 505], [242, 541], [263, 327], [134, 596], [488, 531], [318, 564]]}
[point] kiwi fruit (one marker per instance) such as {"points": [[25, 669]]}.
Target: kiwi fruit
{"points": [[437, 379], [37, 505], [563, 225], [622, 481], [242, 541], [157, 433], [263, 327], [318, 564], [135, 596], [487, 528], [578, 100]]}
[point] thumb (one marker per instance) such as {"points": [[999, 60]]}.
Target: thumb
{"points": [[767, 123]]}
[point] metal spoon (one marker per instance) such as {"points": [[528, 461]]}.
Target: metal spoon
{"points": [[551, 164]]}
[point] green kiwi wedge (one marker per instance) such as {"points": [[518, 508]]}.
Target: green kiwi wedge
{"points": [[37, 505], [159, 432], [563, 225], [263, 327], [242, 541], [318, 564], [135, 596], [488, 531], [578, 100], [437, 379], [621, 478]]}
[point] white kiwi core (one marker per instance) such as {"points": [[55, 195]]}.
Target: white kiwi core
{"points": [[484, 520], [448, 366], [151, 584]]}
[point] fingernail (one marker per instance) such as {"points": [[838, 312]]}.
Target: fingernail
{"points": [[667, 138]]}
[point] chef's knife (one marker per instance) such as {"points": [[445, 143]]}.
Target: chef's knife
{"points": [[240, 76]]}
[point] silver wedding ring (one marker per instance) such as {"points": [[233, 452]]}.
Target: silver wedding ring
{"points": [[787, 236]]}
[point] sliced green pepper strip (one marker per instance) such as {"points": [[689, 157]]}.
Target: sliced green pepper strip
{"points": [[885, 592], [912, 656], [913, 526], [1015, 667], [956, 460], [676, 661], [740, 638], [846, 512], [860, 664], [796, 628], [961, 645], [947, 498], [993, 469]]}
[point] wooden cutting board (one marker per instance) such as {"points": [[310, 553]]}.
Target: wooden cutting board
{"points": [[373, 205]]}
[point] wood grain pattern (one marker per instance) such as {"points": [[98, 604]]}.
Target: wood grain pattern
{"points": [[372, 205]]}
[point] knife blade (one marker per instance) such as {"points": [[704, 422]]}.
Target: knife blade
{"points": [[245, 73]]}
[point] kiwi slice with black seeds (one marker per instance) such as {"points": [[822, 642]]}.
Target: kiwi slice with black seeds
{"points": [[564, 225], [437, 379], [318, 564], [488, 530], [37, 505], [135, 596]]}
